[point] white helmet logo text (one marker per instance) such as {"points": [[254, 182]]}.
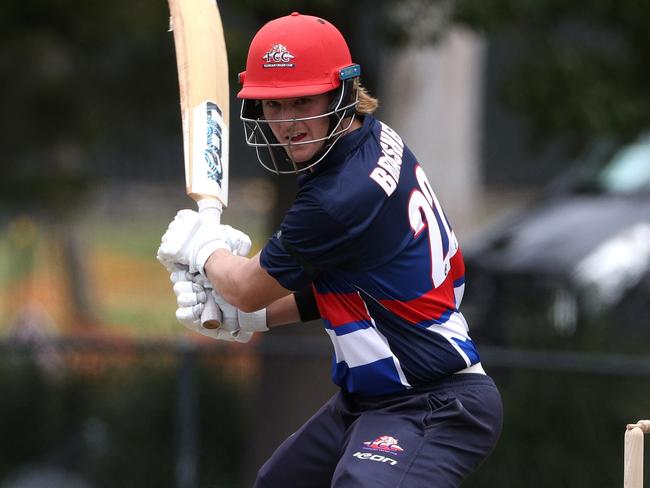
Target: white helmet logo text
{"points": [[278, 57]]}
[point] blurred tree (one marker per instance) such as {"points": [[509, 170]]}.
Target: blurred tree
{"points": [[578, 68], [417, 21], [77, 83], [79, 77]]}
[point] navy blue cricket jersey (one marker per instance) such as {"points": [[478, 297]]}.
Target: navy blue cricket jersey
{"points": [[389, 272]]}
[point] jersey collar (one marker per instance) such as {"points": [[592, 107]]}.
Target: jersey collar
{"points": [[343, 147]]}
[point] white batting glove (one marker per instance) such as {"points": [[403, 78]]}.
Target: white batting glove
{"points": [[191, 238], [192, 295], [240, 325]]}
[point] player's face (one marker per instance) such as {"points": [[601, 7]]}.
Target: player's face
{"points": [[293, 131]]}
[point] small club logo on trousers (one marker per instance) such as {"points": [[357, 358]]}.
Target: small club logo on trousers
{"points": [[384, 443]]}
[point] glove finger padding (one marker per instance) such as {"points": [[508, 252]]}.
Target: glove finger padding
{"points": [[201, 280], [193, 291], [181, 274], [190, 317], [186, 287], [191, 299], [189, 294]]}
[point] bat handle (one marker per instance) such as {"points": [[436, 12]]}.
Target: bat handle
{"points": [[211, 316]]}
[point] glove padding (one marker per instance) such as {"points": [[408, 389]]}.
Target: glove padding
{"points": [[191, 238], [240, 325], [192, 295]]}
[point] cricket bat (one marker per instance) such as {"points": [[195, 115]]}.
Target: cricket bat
{"points": [[202, 64]]}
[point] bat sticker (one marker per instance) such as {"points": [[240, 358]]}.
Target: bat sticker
{"points": [[214, 143], [210, 151]]}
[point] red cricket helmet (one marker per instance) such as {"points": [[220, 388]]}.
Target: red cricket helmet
{"points": [[294, 56], [297, 56]]}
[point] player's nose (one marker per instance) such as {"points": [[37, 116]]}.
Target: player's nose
{"points": [[288, 117], [288, 114]]}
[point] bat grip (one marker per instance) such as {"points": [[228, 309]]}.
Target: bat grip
{"points": [[211, 316]]}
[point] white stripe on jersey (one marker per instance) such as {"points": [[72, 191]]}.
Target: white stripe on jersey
{"points": [[398, 365], [363, 347], [454, 328], [359, 347], [459, 291]]}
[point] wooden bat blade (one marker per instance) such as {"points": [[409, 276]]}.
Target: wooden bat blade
{"points": [[202, 63], [204, 94]]}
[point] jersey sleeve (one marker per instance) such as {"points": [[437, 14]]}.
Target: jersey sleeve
{"points": [[309, 242]]}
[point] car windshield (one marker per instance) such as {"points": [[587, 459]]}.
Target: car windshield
{"points": [[628, 171]]}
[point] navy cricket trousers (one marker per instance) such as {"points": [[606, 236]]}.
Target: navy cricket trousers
{"points": [[431, 437]]}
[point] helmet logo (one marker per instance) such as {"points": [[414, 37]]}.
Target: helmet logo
{"points": [[278, 57]]}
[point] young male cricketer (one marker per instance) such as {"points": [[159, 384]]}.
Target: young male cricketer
{"points": [[367, 248]]}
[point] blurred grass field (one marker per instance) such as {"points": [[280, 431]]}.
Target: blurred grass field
{"points": [[132, 290], [128, 291]]}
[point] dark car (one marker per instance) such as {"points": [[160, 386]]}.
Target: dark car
{"points": [[573, 269]]}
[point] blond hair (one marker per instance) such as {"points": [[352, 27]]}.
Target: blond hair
{"points": [[367, 103]]}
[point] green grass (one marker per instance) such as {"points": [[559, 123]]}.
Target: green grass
{"points": [[138, 239], [143, 322], [130, 290], [4, 259], [142, 238]]}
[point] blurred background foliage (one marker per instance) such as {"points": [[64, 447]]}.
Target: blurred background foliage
{"points": [[91, 153], [576, 68], [92, 97]]}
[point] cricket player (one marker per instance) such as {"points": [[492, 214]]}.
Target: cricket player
{"points": [[366, 247]]}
